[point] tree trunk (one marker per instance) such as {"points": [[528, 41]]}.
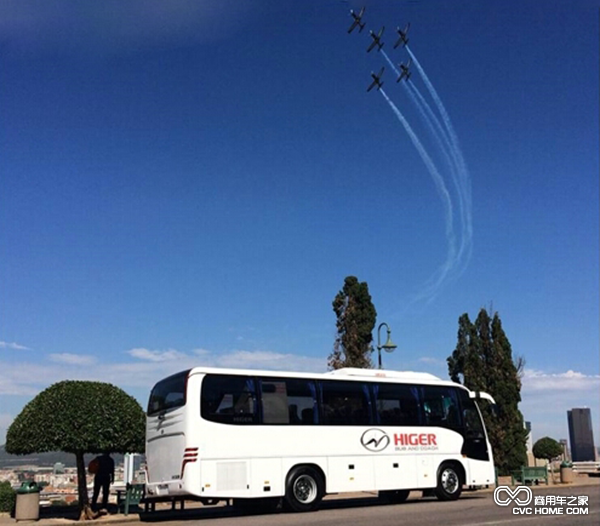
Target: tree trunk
{"points": [[85, 510]]}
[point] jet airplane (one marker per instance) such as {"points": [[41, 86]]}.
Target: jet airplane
{"points": [[404, 71], [403, 38], [357, 20], [376, 80], [376, 40]]}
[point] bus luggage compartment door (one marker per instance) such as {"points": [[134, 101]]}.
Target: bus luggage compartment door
{"points": [[396, 472], [350, 474]]}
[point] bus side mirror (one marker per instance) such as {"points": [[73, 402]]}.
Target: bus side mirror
{"points": [[480, 395]]}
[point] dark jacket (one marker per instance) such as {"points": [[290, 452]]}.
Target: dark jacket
{"points": [[106, 468]]}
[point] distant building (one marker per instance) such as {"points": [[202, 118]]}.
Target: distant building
{"points": [[529, 444], [565, 445], [132, 467], [529, 437], [581, 435]]}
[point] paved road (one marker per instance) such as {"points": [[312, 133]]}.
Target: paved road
{"points": [[472, 509]]}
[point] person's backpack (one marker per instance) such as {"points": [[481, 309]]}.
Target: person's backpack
{"points": [[94, 466]]}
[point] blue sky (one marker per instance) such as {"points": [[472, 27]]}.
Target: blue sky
{"points": [[188, 183]]}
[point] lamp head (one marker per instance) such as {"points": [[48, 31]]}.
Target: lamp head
{"points": [[389, 346]]}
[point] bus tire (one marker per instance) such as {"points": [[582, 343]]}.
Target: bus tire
{"points": [[395, 496], [449, 482], [304, 489]]}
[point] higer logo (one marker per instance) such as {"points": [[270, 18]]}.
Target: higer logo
{"points": [[375, 440], [415, 439]]}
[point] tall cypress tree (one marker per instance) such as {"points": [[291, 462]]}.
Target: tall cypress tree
{"points": [[456, 362], [483, 361], [466, 360], [508, 389], [356, 317]]}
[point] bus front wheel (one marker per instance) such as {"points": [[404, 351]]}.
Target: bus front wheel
{"points": [[304, 489], [449, 483]]}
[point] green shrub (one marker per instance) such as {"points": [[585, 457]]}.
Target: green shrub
{"points": [[7, 497]]}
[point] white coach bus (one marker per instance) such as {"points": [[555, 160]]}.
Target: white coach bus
{"points": [[217, 434]]}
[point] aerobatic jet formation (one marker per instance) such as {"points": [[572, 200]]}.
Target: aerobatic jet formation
{"points": [[357, 20], [376, 80], [403, 38], [376, 40], [404, 71]]}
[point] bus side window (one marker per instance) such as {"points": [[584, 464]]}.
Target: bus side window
{"points": [[288, 401], [274, 400], [302, 395], [440, 406], [345, 403], [228, 399], [293, 414], [168, 393], [451, 408], [308, 416], [396, 405]]}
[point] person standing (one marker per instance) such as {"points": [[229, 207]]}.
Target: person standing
{"points": [[103, 478]]}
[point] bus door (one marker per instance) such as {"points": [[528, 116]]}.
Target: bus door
{"points": [[475, 444]]}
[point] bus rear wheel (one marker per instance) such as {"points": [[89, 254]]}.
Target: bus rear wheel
{"points": [[449, 483], [304, 489]]}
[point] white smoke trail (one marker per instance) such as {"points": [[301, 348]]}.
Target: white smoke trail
{"points": [[449, 146], [438, 278], [431, 119], [451, 158], [460, 162], [434, 124], [389, 61], [407, 127]]}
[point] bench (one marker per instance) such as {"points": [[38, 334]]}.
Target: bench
{"points": [[533, 474], [134, 495]]}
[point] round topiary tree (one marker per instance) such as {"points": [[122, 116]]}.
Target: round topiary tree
{"points": [[549, 449], [79, 417]]}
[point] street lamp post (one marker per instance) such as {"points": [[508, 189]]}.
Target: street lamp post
{"points": [[388, 346]]}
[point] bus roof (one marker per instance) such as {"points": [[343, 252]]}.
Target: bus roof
{"points": [[348, 373], [380, 373]]}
